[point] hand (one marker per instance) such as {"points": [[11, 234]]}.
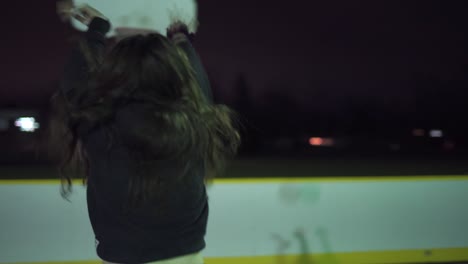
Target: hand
{"points": [[177, 15], [65, 9], [86, 13], [178, 32], [177, 27]]}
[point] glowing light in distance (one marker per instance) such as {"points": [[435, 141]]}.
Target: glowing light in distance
{"points": [[315, 141], [27, 124], [321, 142], [436, 133]]}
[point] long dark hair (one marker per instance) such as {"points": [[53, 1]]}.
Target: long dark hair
{"points": [[180, 126]]}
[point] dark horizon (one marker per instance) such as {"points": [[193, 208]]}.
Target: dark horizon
{"points": [[361, 69]]}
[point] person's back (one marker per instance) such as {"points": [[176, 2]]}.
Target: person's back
{"points": [[140, 122], [171, 224]]}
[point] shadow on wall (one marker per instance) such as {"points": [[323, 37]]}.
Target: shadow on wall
{"points": [[305, 257]]}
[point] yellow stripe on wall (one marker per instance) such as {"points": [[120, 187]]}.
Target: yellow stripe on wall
{"points": [[374, 257], [281, 179], [343, 179]]}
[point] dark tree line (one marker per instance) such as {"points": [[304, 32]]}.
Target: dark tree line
{"points": [[433, 104]]}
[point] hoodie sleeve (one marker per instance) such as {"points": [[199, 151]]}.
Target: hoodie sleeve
{"points": [[77, 67]]}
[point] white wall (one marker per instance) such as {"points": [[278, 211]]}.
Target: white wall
{"points": [[257, 218]]}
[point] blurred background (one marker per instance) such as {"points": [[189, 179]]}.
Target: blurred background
{"points": [[342, 88], [323, 88]]}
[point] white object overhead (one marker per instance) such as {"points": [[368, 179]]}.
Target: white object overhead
{"points": [[143, 14]]}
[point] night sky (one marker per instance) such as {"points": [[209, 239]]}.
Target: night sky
{"points": [[321, 53]]}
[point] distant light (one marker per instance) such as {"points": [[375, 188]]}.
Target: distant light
{"points": [[316, 141], [321, 142], [419, 132], [436, 133], [4, 125], [27, 124]]}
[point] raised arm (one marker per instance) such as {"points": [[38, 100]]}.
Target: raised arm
{"points": [[87, 52], [178, 33]]}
